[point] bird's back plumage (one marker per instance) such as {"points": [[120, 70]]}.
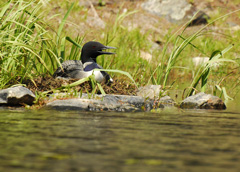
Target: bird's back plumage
{"points": [[68, 67]]}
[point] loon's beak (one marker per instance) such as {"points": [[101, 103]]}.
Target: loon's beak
{"points": [[105, 48]]}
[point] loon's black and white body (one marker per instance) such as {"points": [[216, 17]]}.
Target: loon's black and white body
{"points": [[77, 69]]}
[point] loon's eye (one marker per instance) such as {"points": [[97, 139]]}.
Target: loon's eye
{"points": [[94, 46]]}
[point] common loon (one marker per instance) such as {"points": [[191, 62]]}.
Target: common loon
{"points": [[77, 69]]}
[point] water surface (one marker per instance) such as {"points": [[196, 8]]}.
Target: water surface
{"points": [[69, 141]]}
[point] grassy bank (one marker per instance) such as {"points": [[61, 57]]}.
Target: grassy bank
{"points": [[36, 36]]}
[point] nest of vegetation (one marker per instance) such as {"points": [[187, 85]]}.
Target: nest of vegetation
{"points": [[48, 83]]}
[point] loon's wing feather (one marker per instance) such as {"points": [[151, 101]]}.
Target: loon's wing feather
{"points": [[68, 66]]}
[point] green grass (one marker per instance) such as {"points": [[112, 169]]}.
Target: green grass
{"points": [[28, 48], [34, 40], [21, 33]]}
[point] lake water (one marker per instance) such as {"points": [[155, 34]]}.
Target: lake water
{"points": [[73, 141]]}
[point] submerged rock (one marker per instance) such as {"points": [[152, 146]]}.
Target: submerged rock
{"points": [[120, 103], [203, 101], [18, 95]]}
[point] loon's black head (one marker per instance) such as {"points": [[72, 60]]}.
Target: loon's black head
{"points": [[92, 49]]}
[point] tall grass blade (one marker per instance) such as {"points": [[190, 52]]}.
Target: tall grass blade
{"points": [[4, 9], [101, 89], [205, 74], [63, 22], [62, 51], [73, 42], [118, 71]]}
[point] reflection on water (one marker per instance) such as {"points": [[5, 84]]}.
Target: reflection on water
{"points": [[86, 141]]}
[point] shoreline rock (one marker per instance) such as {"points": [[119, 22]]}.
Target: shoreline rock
{"points": [[119, 103], [203, 101], [149, 100], [16, 96]]}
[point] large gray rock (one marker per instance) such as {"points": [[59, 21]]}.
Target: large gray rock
{"points": [[175, 11], [120, 103], [203, 101], [18, 95]]}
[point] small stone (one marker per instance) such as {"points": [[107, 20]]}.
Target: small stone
{"points": [[146, 56], [199, 60], [150, 91], [87, 4], [203, 101]]}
